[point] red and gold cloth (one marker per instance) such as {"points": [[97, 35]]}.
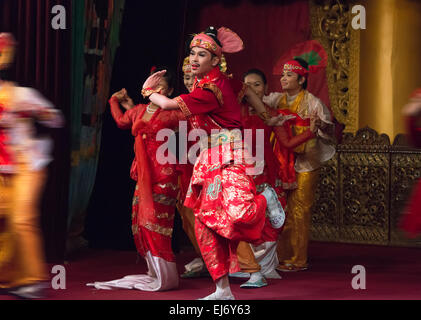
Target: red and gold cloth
{"points": [[278, 170], [221, 194], [157, 184], [216, 99], [227, 210]]}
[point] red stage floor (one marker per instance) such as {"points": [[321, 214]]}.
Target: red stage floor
{"points": [[391, 273]]}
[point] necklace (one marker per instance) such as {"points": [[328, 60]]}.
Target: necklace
{"points": [[291, 98], [150, 110]]}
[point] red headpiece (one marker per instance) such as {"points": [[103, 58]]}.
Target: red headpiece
{"points": [[229, 40], [310, 51], [295, 66]]}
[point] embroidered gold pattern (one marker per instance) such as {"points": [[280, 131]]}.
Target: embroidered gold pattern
{"points": [[163, 199], [183, 106], [158, 229], [168, 185], [135, 229], [203, 44], [216, 91], [164, 215]]}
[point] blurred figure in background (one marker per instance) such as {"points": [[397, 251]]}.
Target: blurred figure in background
{"points": [[411, 220], [22, 268]]}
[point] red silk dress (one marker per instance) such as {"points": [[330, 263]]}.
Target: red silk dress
{"points": [[223, 197], [157, 184], [279, 176]]}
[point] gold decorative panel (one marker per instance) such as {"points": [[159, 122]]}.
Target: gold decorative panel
{"points": [[331, 26], [364, 202], [363, 191], [325, 217]]}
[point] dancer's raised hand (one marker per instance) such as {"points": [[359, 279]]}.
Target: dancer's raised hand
{"points": [[153, 81]]}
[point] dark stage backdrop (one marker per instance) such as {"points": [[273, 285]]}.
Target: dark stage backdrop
{"points": [[43, 62], [151, 33]]}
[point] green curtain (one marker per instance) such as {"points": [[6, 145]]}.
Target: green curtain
{"points": [[95, 39]]}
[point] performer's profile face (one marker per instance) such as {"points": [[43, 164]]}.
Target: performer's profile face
{"points": [[202, 61], [289, 81], [188, 79], [256, 83]]}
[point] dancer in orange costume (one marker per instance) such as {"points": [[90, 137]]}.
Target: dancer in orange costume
{"points": [[22, 267]]}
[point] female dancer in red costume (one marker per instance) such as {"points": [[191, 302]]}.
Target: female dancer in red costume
{"points": [[222, 195], [280, 176], [156, 191]]}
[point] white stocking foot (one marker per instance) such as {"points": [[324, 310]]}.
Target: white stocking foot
{"points": [[219, 296]]}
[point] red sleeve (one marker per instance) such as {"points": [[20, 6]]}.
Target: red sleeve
{"points": [[286, 141], [414, 129], [123, 120], [197, 102], [178, 115], [239, 88], [175, 116]]}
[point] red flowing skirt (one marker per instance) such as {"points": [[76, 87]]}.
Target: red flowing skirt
{"points": [[155, 234]]}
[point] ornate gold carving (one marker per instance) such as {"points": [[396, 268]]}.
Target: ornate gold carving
{"points": [[325, 217], [363, 191], [364, 198], [331, 26], [365, 139]]}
